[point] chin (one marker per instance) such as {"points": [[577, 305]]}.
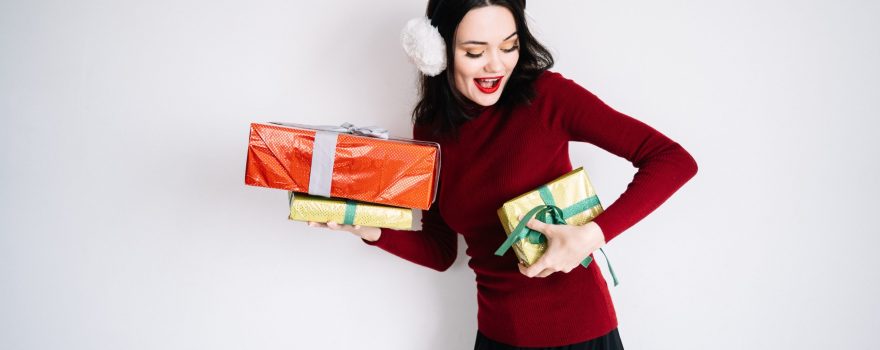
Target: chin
{"points": [[487, 101]]}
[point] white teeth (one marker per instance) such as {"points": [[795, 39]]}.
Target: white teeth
{"points": [[488, 83]]}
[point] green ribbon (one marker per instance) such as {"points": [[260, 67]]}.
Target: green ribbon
{"points": [[350, 208], [551, 214]]}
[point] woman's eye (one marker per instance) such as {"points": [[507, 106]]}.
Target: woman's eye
{"points": [[512, 49], [478, 55]]}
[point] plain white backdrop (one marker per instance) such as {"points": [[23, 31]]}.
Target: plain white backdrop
{"points": [[125, 222]]}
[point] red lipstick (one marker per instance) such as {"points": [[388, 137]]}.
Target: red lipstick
{"points": [[488, 90]]}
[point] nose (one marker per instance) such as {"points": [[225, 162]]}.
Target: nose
{"points": [[494, 65]]}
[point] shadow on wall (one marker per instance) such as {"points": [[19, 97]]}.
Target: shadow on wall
{"points": [[364, 47], [456, 293]]}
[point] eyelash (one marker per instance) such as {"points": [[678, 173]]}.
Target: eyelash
{"points": [[512, 49]]}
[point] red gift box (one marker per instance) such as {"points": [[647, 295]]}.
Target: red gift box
{"points": [[347, 164]]}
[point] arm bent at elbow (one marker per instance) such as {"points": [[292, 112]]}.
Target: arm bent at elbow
{"points": [[434, 246]]}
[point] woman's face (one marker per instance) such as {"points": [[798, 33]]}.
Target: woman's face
{"points": [[486, 51]]}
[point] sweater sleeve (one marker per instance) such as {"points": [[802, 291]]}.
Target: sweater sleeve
{"points": [[434, 246], [663, 165]]}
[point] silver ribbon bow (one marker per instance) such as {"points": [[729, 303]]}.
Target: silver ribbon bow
{"points": [[372, 131], [347, 128]]}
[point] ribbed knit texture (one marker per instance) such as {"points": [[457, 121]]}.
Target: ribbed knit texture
{"points": [[499, 157]]}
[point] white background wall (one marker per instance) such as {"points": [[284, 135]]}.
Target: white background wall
{"points": [[125, 223]]}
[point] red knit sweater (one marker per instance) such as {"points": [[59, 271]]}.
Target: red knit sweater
{"points": [[500, 157]]}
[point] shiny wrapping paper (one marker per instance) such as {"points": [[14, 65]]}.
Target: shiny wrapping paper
{"points": [[304, 207], [396, 172], [566, 190]]}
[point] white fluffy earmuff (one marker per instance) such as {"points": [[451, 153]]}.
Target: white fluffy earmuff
{"points": [[424, 45]]}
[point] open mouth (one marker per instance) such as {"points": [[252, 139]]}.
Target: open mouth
{"points": [[488, 85]]}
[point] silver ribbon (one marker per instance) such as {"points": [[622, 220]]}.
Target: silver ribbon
{"points": [[324, 151], [323, 157]]}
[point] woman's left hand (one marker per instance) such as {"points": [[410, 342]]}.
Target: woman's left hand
{"points": [[567, 246]]}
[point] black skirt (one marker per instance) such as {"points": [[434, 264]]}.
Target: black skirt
{"points": [[610, 341]]}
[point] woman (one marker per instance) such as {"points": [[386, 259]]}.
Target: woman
{"points": [[504, 122]]}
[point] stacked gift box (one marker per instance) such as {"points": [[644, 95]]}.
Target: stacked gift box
{"points": [[345, 174]]}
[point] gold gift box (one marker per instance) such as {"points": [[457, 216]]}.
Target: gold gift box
{"points": [[304, 207], [567, 190]]}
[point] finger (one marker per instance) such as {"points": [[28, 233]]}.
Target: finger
{"points": [[545, 273], [340, 227], [316, 224], [537, 268], [539, 226]]}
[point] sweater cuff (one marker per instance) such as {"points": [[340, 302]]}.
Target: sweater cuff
{"points": [[607, 228]]}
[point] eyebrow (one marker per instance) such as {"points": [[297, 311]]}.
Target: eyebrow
{"points": [[483, 42]]}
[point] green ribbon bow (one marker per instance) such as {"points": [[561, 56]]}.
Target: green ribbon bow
{"points": [[551, 214]]}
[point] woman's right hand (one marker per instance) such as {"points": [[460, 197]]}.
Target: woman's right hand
{"points": [[366, 232]]}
